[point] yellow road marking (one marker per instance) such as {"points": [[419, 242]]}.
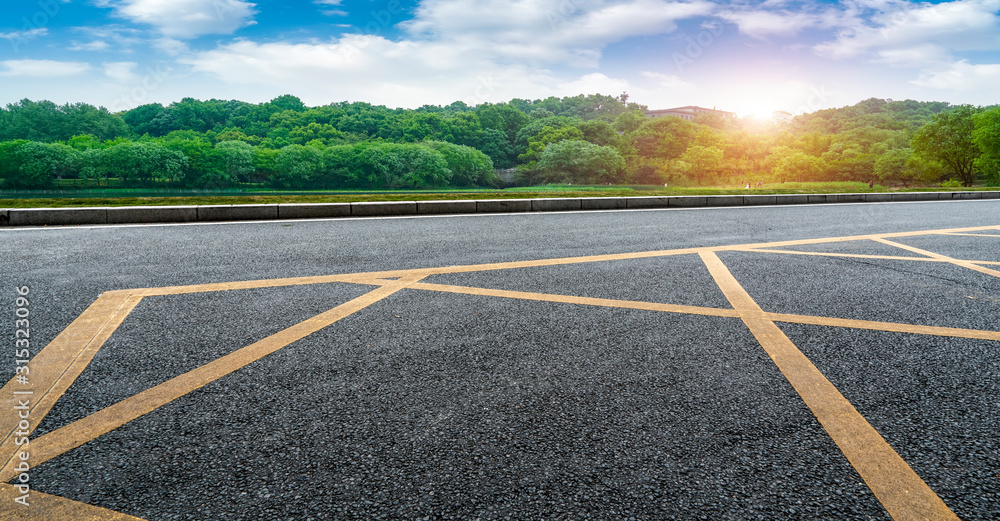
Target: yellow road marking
{"points": [[900, 490], [46, 507], [856, 255], [250, 284], [368, 277], [57, 366], [977, 334], [848, 255], [61, 362], [963, 263], [586, 301], [970, 234], [84, 430]]}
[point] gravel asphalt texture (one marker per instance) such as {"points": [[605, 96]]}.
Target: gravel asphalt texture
{"points": [[429, 405]]}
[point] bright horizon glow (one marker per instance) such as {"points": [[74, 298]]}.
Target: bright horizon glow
{"points": [[747, 58]]}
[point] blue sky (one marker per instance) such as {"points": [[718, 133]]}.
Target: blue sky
{"points": [[746, 56]]}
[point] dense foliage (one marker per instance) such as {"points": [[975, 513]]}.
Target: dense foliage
{"points": [[591, 139]]}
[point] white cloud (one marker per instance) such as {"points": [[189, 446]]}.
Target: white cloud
{"points": [[540, 31], [187, 18], [594, 83], [335, 12], [42, 68], [123, 72], [96, 45], [25, 35], [374, 69], [960, 25], [469, 50], [761, 24], [665, 82], [963, 76], [171, 46], [917, 56]]}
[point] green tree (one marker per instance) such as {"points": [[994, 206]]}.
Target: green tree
{"points": [[297, 166], [547, 136], [599, 132], [580, 162], [799, 166], [630, 121], [704, 163], [986, 136], [204, 167], [44, 121], [666, 137], [136, 162], [237, 160], [499, 148], [9, 164], [39, 164], [339, 169], [468, 166], [948, 139], [422, 167], [901, 165], [377, 164]]}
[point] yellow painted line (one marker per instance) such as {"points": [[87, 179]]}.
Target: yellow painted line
{"points": [[46, 507], [60, 363], [854, 255], [900, 490], [963, 263], [249, 284], [369, 277], [66, 438], [55, 367], [586, 301], [717, 312], [885, 326], [848, 255], [971, 234]]}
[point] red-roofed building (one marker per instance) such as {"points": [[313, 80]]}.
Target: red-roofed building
{"points": [[688, 112]]}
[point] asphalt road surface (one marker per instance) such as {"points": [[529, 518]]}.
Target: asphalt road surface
{"points": [[807, 362]]}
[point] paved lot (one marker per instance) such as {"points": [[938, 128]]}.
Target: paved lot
{"points": [[822, 362]]}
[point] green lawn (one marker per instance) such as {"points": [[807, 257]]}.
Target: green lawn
{"points": [[106, 197]]}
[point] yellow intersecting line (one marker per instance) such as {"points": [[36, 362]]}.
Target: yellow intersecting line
{"points": [[954, 332], [57, 366], [46, 507], [900, 490], [86, 429], [969, 234], [943, 258], [569, 299], [845, 255]]}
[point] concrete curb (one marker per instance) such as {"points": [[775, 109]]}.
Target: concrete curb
{"points": [[251, 212], [152, 214], [383, 208], [238, 212]]}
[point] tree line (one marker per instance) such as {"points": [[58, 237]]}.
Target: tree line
{"points": [[586, 139]]}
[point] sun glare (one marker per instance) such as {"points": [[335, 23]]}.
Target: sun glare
{"points": [[759, 112]]}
